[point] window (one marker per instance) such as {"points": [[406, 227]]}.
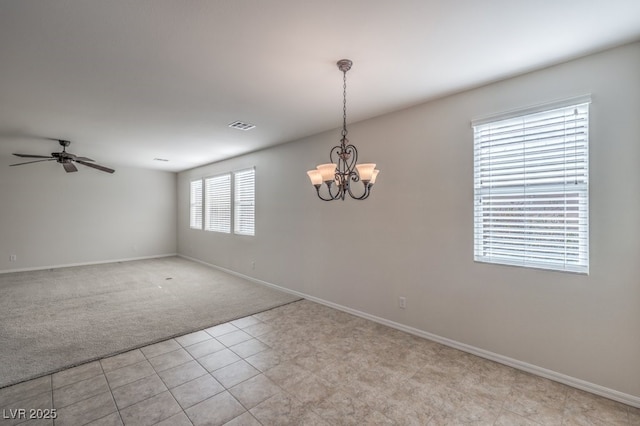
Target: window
{"points": [[195, 205], [218, 203], [244, 206], [531, 188]]}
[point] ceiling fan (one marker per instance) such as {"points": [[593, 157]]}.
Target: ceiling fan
{"points": [[65, 158]]}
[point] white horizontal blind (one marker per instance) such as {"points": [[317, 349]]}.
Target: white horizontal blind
{"points": [[195, 204], [218, 203], [244, 206], [531, 190]]}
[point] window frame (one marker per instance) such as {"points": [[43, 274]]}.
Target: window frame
{"points": [[230, 202], [521, 225]]}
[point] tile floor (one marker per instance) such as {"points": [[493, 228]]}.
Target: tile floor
{"points": [[303, 364]]}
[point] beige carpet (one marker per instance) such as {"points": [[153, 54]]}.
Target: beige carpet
{"points": [[57, 318]]}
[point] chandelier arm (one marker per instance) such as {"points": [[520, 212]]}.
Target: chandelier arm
{"points": [[332, 196], [339, 191], [320, 195], [365, 194]]}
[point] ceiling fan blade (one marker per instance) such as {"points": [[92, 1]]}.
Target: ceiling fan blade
{"points": [[83, 159], [32, 156], [69, 167], [95, 166], [29, 162]]}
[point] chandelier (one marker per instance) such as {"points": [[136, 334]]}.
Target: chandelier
{"points": [[343, 171]]}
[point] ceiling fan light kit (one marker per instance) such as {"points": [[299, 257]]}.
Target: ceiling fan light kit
{"points": [[65, 158]]}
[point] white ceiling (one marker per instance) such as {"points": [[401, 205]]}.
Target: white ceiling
{"points": [[128, 81]]}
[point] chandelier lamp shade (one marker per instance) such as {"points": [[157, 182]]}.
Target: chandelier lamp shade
{"points": [[343, 175]]}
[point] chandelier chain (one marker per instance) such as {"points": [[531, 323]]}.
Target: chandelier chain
{"points": [[344, 104]]}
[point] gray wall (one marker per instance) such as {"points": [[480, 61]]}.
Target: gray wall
{"points": [[51, 218], [414, 236]]}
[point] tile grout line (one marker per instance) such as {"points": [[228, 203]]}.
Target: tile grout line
{"points": [[156, 373], [142, 378], [210, 373], [84, 399], [115, 404], [53, 422], [207, 371], [225, 389]]}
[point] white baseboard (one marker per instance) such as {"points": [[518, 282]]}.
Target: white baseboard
{"points": [[511, 362], [68, 265]]}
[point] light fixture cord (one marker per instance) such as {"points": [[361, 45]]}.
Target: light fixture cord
{"points": [[344, 106]]}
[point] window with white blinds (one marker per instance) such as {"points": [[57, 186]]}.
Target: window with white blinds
{"points": [[244, 205], [218, 203], [531, 188], [195, 204]]}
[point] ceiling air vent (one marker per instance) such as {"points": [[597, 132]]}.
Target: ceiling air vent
{"points": [[241, 126]]}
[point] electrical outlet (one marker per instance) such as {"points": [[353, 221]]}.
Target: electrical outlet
{"points": [[253, 264], [402, 302], [13, 258]]}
